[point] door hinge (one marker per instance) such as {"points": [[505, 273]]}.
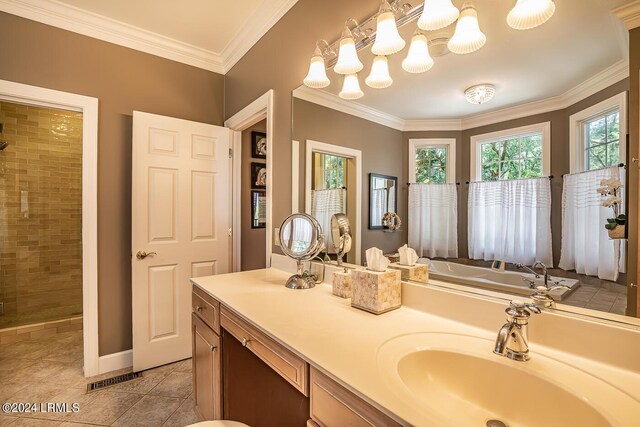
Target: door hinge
{"points": [[230, 153], [230, 232]]}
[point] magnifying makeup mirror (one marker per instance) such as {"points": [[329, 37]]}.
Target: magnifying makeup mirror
{"points": [[301, 238], [341, 235]]}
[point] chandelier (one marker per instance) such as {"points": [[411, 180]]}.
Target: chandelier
{"points": [[381, 32]]}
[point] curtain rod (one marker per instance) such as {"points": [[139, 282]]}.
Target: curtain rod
{"points": [[550, 177], [620, 165], [409, 183]]}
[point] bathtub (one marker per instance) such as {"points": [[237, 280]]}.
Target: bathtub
{"points": [[507, 281]]}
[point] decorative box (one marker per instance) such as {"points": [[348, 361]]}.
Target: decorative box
{"points": [[376, 292], [342, 284], [418, 272]]}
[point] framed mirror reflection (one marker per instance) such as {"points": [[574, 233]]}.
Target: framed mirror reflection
{"points": [[383, 198]]}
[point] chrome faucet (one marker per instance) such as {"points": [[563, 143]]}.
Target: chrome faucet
{"points": [[531, 270], [512, 337]]}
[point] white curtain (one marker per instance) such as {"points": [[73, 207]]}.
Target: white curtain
{"points": [[433, 220], [324, 204], [586, 247], [511, 220], [378, 205]]}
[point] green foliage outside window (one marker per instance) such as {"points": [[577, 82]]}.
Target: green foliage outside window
{"points": [[512, 158], [602, 141], [334, 171], [431, 165]]}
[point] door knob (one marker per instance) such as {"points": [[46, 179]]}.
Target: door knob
{"points": [[143, 254]]}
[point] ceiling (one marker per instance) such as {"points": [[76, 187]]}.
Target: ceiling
{"points": [[580, 41], [208, 24], [209, 34]]}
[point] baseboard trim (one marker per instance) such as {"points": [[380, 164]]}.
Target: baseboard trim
{"points": [[115, 361]]}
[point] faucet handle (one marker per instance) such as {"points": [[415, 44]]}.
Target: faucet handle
{"points": [[520, 309], [532, 283]]}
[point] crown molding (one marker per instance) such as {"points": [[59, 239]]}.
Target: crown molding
{"points": [[591, 86], [258, 24], [329, 100], [629, 14], [71, 18]]}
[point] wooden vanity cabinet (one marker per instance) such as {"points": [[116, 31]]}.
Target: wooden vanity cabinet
{"points": [[333, 405], [207, 357]]}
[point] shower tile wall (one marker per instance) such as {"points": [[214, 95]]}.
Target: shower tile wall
{"points": [[40, 215]]}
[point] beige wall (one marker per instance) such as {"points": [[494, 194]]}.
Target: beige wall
{"points": [[382, 153], [253, 245], [123, 80]]}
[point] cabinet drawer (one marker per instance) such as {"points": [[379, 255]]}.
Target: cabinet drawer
{"points": [[333, 405], [207, 384], [207, 308], [285, 363]]}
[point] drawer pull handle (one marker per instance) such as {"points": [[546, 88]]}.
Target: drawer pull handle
{"points": [[212, 347], [199, 309], [245, 342]]}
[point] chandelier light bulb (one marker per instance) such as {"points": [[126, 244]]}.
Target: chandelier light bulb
{"points": [[317, 75], [467, 37], [388, 40], [418, 59], [437, 14], [527, 14], [351, 88], [379, 77], [348, 61], [480, 94]]}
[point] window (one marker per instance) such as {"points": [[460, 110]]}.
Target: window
{"points": [[595, 135], [511, 154], [432, 160], [602, 141], [329, 171]]}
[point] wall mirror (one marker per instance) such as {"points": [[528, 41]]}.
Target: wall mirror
{"points": [[383, 198], [333, 186], [560, 107]]}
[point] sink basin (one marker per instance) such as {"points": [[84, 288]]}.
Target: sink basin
{"points": [[458, 381]]}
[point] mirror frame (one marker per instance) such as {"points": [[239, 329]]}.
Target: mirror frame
{"points": [[372, 176]]}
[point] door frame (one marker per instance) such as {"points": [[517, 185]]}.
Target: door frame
{"points": [[88, 106], [258, 110]]}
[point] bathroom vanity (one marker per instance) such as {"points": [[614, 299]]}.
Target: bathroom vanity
{"points": [[266, 355]]}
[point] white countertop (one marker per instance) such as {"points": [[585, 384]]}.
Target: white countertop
{"points": [[327, 332]]}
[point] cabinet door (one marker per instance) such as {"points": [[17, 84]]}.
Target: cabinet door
{"points": [[206, 371]]}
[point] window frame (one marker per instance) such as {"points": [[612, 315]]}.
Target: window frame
{"points": [[449, 144], [485, 138], [577, 158]]}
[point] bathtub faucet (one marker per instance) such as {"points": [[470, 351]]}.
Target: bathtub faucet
{"points": [[538, 264]]}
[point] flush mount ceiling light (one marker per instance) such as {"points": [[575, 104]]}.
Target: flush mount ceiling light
{"points": [[437, 14], [467, 38], [388, 40], [348, 61], [527, 14], [317, 75], [451, 30], [351, 88], [479, 94], [418, 59], [379, 77]]}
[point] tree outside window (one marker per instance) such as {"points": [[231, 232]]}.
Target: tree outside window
{"points": [[602, 141], [512, 158], [431, 165]]}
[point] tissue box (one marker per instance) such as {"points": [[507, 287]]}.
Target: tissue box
{"points": [[342, 284], [376, 292], [418, 272]]}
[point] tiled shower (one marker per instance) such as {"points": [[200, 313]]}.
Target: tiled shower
{"points": [[40, 216]]}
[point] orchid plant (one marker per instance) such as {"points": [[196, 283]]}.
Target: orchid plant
{"points": [[610, 189]]}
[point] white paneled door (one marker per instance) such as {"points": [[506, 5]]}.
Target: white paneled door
{"points": [[180, 228]]}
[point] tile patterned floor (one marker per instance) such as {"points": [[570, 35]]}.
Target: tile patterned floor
{"points": [[49, 369], [611, 298]]}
